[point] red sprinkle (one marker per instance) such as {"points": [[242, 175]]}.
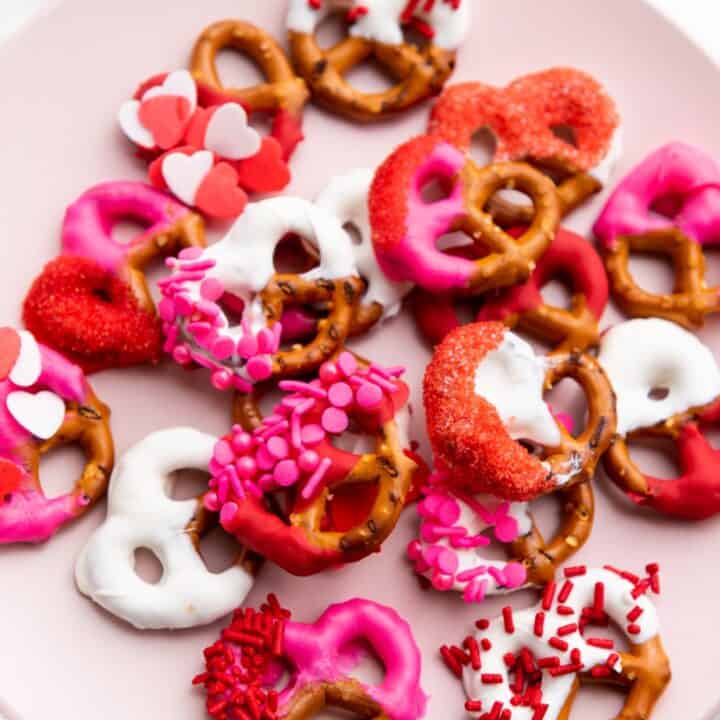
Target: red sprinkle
{"points": [[565, 591], [485, 644], [548, 662], [482, 624], [612, 659], [548, 595], [460, 656], [565, 610], [600, 671], [470, 643], [491, 678], [558, 644], [599, 597], [635, 613], [576, 571], [509, 659], [539, 624], [452, 664], [508, 620], [540, 711], [473, 705], [567, 629], [633, 629], [565, 670], [604, 643]]}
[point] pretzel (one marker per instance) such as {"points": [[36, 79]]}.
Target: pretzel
{"points": [[483, 392], [640, 356], [572, 330], [406, 227], [449, 549], [237, 276], [242, 665], [292, 450], [46, 403], [142, 515], [685, 183], [523, 118], [534, 661], [376, 32], [93, 303]]}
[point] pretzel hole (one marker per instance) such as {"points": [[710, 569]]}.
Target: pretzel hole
{"points": [[712, 265], [655, 456], [354, 232], [658, 393], [366, 666], [566, 133], [59, 470], [147, 566], [238, 69], [350, 505], [483, 146], [506, 202], [568, 404], [667, 206], [218, 550], [187, 484], [125, 230], [354, 439], [606, 699], [370, 77], [557, 293], [332, 30], [295, 255], [436, 189], [653, 272], [453, 241], [413, 36]]}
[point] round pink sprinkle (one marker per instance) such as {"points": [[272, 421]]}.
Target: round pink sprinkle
{"points": [[347, 363], [241, 442], [247, 346], [221, 380], [448, 512], [430, 505], [334, 420], [227, 513], [223, 453], [329, 373], [514, 575], [264, 459], [369, 396], [223, 348], [266, 341], [246, 467], [277, 446], [166, 310], [191, 253], [183, 305], [447, 562], [211, 289], [210, 501], [441, 581], [259, 368], [340, 394], [308, 461], [181, 355], [286, 473], [312, 435]]}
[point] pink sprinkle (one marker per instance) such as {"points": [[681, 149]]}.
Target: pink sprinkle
{"points": [[181, 355], [447, 562], [266, 341], [347, 363], [308, 461], [166, 310], [211, 289], [317, 477], [259, 368], [223, 348], [246, 467], [221, 379], [382, 382], [448, 512], [201, 264], [210, 501], [334, 420], [340, 395], [184, 305], [369, 396], [497, 575], [515, 575], [202, 361], [303, 407], [296, 431], [277, 447], [241, 442], [414, 550], [303, 388], [241, 384], [472, 574], [191, 253], [475, 591], [312, 435], [223, 453], [264, 459], [228, 513], [286, 473], [389, 373], [329, 373], [441, 582], [210, 309], [247, 346]]}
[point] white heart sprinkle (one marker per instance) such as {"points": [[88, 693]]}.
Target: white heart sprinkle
{"points": [[184, 173], [129, 119], [229, 135], [41, 414], [180, 83], [28, 366]]}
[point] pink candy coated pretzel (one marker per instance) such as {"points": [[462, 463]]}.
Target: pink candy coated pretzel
{"points": [[678, 179], [243, 667]]}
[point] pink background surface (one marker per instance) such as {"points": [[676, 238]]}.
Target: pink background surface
{"points": [[62, 80]]}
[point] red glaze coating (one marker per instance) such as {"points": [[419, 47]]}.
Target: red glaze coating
{"points": [[468, 438]]}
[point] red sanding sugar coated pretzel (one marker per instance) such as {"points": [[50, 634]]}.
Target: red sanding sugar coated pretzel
{"points": [[293, 451], [245, 666], [570, 257]]}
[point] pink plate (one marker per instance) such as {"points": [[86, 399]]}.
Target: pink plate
{"points": [[62, 81]]}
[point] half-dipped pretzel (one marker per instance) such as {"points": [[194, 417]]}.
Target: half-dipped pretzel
{"points": [[93, 303], [406, 227], [668, 205], [667, 385], [237, 277], [293, 450], [142, 514], [531, 663], [453, 533], [376, 31], [483, 393], [46, 403], [249, 658], [524, 118], [572, 329]]}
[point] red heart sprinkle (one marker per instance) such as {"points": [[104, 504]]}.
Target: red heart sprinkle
{"points": [[266, 171], [219, 195], [166, 117], [9, 350]]}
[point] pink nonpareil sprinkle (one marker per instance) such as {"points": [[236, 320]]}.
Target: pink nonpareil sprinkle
{"points": [[347, 363], [340, 394], [211, 289], [334, 420], [259, 368]]}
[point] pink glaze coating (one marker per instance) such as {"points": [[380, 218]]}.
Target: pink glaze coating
{"points": [[89, 221], [680, 180], [26, 515], [406, 227]]}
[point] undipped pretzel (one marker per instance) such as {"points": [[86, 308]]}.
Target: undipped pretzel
{"points": [[254, 650], [483, 392], [376, 32], [141, 514], [292, 450], [449, 551], [684, 183], [93, 303], [406, 227], [572, 329], [531, 663], [46, 403], [667, 385]]}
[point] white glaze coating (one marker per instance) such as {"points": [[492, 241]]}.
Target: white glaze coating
{"points": [[141, 514], [382, 21], [511, 378], [346, 197], [642, 354], [618, 602]]}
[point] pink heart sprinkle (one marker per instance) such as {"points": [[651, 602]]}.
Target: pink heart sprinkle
{"points": [[369, 396], [334, 420], [211, 289], [223, 453], [286, 473], [259, 368], [312, 435], [347, 363], [340, 395]]}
